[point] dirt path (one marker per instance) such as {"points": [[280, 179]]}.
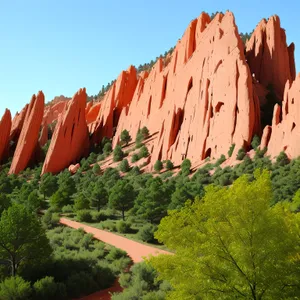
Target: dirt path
{"points": [[135, 250]]}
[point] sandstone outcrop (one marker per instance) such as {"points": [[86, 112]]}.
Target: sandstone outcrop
{"points": [[92, 112], [70, 139], [43, 135], [202, 102], [118, 97], [5, 126], [17, 124], [53, 111], [285, 132], [269, 57], [28, 140], [73, 168]]}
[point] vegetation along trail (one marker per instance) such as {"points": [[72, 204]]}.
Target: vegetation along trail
{"points": [[135, 250]]}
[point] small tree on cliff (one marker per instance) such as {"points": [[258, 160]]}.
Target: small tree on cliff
{"points": [[169, 165], [125, 137], [118, 154], [185, 167], [158, 166]]}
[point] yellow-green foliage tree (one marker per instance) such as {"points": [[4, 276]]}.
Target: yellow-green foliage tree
{"points": [[232, 244]]}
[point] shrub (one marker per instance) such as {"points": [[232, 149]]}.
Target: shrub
{"points": [[139, 139], [146, 233], [125, 137], [84, 215], [185, 167], [115, 253], [15, 288], [96, 169], [50, 220], [241, 154], [123, 227], [220, 160], [135, 171], [47, 289], [101, 157], [67, 209], [109, 225], [118, 154], [169, 165], [145, 132], [230, 151], [107, 148], [255, 142], [281, 160], [143, 152], [81, 202], [98, 216], [158, 166], [124, 166], [134, 158]]}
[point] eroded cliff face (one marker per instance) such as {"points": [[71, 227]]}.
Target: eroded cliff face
{"points": [[28, 140], [70, 139], [284, 135], [202, 102], [5, 127], [205, 97]]}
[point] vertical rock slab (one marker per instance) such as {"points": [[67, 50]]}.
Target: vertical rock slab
{"points": [[202, 102], [44, 135], [269, 57], [17, 124], [28, 140], [70, 139], [118, 97], [5, 127], [285, 132]]}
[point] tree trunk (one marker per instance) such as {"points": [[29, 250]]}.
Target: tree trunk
{"points": [[13, 267], [123, 214]]}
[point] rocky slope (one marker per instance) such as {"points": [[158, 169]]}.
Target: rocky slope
{"points": [[211, 93]]}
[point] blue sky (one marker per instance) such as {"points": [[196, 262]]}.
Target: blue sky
{"points": [[59, 46]]}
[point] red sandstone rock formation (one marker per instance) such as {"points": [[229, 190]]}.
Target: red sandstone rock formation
{"points": [[44, 135], [73, 168], [70, 139], [118, 97], [5, 126], [202, 102], [92, 112], [285, 132], [53, 111], [28, 140], [17, 124], [269, 57]]}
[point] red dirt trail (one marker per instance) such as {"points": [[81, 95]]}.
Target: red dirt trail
{"points": [[135, 250]]}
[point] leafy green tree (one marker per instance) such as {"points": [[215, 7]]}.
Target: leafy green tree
{"points": [[158, 166], [34, 203], [15, 288], [179, 197], [118, 154], [241, 154], [152, 201], [22, 238], [169, 165], [4, 203], [245, 249], [143, 152], [220, 160], [81, 202], [122, 196], [96, 169], [145, 132], [124, 166], [139, 139], [99, 196], [255, 142], [107, 148], [135, 158], [125, 137], [186, 167], [281, 160]]}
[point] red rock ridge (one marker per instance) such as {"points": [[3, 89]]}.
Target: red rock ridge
{"points": [[70, 139], [269, 57], [118, 97], [5, 127], [28, 140], [206, 85], [17, 124], [53, 111], [284, 135]]}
